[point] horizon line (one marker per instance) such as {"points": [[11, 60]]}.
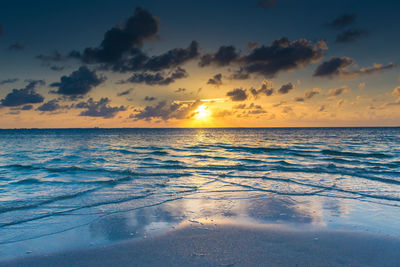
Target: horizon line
{"points": [[271, 127]]}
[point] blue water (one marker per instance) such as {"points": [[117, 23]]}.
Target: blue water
{"points": [[102, 185]]}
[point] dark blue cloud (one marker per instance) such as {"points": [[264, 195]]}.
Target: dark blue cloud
{"points": [[166, 110], [223, 57], [338, 67], [172, 58], [351, 35], [99, 108], [342, 21], [149, 98], [78, 83], [216, 80], [121, 39], [27, 107], [51, 106], [16, 47], [6, 81], [237, 94], [158, 78], [27, 95], [126, 92], [286, 88], [265, 89], [283, 55], [333, 66]]}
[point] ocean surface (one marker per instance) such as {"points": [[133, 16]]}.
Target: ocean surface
{"points": [[75, 188]]}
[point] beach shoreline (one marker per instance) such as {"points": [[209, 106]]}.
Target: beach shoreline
{"points": [[209, 244]]}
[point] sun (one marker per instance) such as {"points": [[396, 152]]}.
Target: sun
{"points": [[202, 113]]}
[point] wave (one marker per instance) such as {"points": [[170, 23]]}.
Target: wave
{"points": [[32, 203], [318, 186], [159, 153], [27, 181], [100, 170], [355, 154], [49, 214], [332, 169]]}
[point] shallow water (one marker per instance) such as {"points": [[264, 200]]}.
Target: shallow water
{"points": [[95, 186]]}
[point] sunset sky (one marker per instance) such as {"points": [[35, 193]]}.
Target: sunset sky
{"points": [[148, 63]]}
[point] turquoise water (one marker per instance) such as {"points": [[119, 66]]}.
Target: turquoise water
{"points": [[96, 186]]}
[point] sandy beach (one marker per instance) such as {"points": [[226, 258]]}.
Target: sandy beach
{"points": [[197, 244]]}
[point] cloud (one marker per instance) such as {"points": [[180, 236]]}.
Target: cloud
{"points": [[237, 94], [250, 106], [257, 112], [126, 92], [252, 45], [16, 47], [27, 95], [268, 90], [239, 106], [12, 112], [282, 55], [55, 56], [19, 108], [286, 88], [279, 104], [342, 21], [240, 74], [121, 48], [180, 90], [223, 57], [216, 80], [287, 110], [149, 98], [369, 70], [333, 67], [266, 4], [6, 81], [157, 78], [49, 106], [338, 91], [265, 89], [78, 83], [251, 109], [222, 113], [310, 93], [167, 110], [27, 107], [136, 60], [351, 35], [396, 93], [57, 68], [99, 108], [120, 40], [339, 67], [339, 103], [173, 58]]}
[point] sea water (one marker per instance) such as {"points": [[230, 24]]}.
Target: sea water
{"points": [[70, 188]]}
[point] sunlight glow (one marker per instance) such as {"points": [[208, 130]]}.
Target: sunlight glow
{"points": [[202, 113]]}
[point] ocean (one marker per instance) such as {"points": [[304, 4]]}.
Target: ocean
{"points": [[74, 188]]}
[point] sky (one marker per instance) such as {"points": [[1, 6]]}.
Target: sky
{"points": [[236, 63]]}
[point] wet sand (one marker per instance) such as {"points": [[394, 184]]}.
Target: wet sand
{"points": [[234, 245]]}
